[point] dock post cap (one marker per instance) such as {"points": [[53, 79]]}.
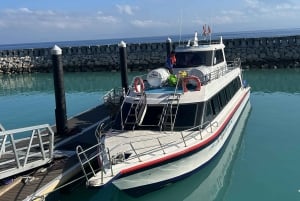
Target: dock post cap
{"points": [[122, 44], [56, 50], [169, 40]]}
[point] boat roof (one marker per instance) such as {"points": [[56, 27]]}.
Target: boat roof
{"points": [[209, 47], [203, 45]]}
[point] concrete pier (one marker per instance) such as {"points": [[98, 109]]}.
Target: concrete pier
{"points": [[271, 52]]}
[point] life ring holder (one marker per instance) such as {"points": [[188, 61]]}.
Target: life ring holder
{"points": [[191, 77], [138, 81]]}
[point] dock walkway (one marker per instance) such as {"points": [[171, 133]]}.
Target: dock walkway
{"points": [[41, 181]]}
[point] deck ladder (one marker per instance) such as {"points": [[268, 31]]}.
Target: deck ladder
{"points": [[137, 110], [169, 113]]}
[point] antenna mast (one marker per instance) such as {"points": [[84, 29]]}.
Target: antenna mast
{"points": [[180, 26]]}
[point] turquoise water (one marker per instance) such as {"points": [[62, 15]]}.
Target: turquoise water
{"points": [[29, 99], [264, 165]]}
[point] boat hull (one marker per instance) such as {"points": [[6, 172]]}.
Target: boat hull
{"points": [[139, 183]]}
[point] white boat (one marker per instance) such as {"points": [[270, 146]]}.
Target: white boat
{"points": [[170, 125]]}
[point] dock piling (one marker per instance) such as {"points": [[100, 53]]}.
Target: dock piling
{"points": [[123, 65], [60, 100], [169, 46]]}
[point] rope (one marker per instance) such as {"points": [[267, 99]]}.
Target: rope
{"points": [[60, 187]]}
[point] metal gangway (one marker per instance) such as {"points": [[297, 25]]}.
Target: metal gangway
{"points": [[25, 149]]}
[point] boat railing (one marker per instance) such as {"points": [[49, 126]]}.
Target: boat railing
{"points": [[113, 96], [121, 109], [231, 65], [2, 148], [205, 78], [152, 145], [140, 107], [236, 63], [208, 125], [24, 149], [88, 157], [200, 42], [140, 147]]}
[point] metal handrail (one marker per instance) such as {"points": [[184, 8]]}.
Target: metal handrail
{"points": [[2, 139], [25, 148], [113, 96], [121, 109], [86, 156], [98, 151], [183, 135], [138, 108]]}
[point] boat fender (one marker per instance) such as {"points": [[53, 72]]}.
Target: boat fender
{"points": [[182, 74], [138, 85], [172, 80], [245, 84], [186, 80]]}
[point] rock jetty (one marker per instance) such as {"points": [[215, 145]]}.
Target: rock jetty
{"points": [[271, 52]]}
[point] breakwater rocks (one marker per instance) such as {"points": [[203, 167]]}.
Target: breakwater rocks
{"points": [[273, 52]]}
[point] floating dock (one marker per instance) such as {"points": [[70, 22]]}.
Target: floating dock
{"points": [[54, 166]]}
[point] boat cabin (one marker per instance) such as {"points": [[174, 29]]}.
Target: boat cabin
{"points": [[154, 103]]}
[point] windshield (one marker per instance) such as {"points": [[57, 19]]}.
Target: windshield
{"points": [[193, 59]]}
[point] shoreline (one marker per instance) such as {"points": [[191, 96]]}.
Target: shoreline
{"points": [[264, 52]]}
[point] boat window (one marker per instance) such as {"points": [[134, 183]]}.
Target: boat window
{"points": [[199, 113], [222, 98], [232, 87], [229, 92], [219, 56], [226, 97], [152, 115], [187, 114], [192, 59], [236, 84], [208, 112], [216, 107]]}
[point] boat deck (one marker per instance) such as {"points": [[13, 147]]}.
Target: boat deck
{"points": [[62, 168], [143, 146]]}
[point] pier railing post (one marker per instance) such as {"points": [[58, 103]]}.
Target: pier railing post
{"points": [[60, 100], [123, 65]]}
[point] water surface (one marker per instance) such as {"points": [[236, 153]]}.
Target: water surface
{"points": [[264, 166]]}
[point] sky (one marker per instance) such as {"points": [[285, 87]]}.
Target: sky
{"points": [[30, 21]]}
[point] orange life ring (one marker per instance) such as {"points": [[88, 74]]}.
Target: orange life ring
{"points": [[138, 81], [191, 77]]}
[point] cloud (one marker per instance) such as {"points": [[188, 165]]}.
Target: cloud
{"points": [[47, 19], [148, 23], [232, 12], [224, 19], [106, 18], [2, 23], [126, 9], [252, 3], [271, 8], [258, 12], [287, 7], [25, 10]]}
